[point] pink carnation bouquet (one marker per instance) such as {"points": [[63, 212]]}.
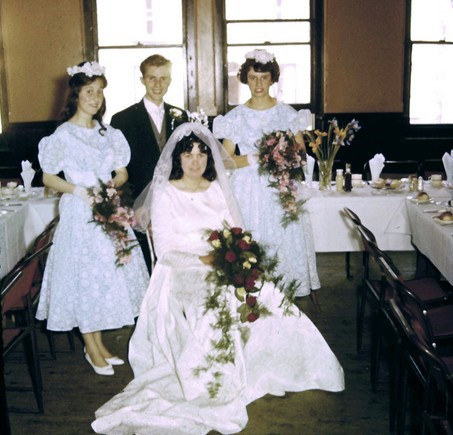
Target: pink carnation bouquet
{"points": [[281, 157], [111, 210]]}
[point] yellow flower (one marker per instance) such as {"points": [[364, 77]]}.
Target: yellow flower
{"points": [[226, 233], [247, 239], [241, 291], [216, 243], [252, 260], [246, 265]]}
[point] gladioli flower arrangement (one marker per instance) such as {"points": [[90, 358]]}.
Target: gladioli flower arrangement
{"points": [[281, 157], [325, 145], [112, 211]]}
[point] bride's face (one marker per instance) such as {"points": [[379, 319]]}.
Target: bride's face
{"points": [[194, 163]]}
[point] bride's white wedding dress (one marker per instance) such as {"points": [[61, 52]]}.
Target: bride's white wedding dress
{"points": [[173, 336]]}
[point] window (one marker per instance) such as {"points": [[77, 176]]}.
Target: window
{"points": [[124, 43], [283, 27], [431, 62]]}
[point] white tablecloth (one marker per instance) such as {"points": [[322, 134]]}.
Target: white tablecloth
{"points": [[433, 240], [20, 227], [384, 212]]}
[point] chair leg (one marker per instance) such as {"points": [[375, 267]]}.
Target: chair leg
{"points": [[348, 265], [376, 342], [402, 399], [360, 316], [51, 341]]}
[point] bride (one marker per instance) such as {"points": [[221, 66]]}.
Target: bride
{"points": [[174, 335]]}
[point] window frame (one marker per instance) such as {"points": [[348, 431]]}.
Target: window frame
{"points": [[316, 71], [187, 46], [407, 79]]}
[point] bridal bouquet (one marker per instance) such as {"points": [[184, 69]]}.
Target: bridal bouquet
{"points": [[239, 263], [282, 157], [112, 211]]}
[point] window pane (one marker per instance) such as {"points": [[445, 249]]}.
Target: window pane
{"points": [[123, 75], [261, 33], [136, 22], [432, 20], [431, 100], [266, 9], [294, 84]]}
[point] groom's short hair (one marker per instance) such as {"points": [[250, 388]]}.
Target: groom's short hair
{"points": [[154, 60]]}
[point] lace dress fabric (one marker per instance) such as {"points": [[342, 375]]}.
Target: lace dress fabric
{"points": [[174, 334], [259, 203], [82, 287]]}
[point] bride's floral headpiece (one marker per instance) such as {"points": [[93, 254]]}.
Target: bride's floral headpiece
{"points": [[90, 69], [199, 117], [261, 56]]}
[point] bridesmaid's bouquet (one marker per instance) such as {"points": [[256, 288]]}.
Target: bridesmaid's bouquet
{"points": [[281, 157], [112, 210]]}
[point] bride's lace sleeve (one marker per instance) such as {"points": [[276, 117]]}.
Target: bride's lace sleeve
{"points": [[170, 249]]}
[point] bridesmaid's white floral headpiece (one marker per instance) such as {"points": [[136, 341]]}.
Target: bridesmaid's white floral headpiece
{"points": [[90, 69], [261, 56]]}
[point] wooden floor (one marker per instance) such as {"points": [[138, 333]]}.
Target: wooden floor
{"points": [[72, 391]]}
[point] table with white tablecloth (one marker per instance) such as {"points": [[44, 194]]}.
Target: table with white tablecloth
{"points": [[433, 240], [383, 211], [21, 221]]}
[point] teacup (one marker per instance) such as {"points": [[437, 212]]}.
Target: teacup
{"points": [[436, 180]]}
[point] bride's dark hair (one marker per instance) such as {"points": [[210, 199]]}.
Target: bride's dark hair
{"points": [[185, 145]]}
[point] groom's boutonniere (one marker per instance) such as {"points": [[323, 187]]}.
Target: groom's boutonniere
{"points": [[176, 115]]}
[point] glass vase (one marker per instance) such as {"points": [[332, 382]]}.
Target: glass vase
{"points": [[325, 174]]}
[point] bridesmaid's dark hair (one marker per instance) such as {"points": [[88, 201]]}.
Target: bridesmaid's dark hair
{"points": [[185, 145], [271, 67], [76, 83]]}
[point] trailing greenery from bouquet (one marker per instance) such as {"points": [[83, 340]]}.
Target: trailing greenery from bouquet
{"points": [[281, 157], [242, 266], [112, 210], [325, 145]]}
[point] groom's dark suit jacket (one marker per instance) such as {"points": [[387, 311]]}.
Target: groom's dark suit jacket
{"points": [[135, 123], [137, 127]]}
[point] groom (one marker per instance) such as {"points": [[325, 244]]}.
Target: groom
{"points": [[147, 125]]}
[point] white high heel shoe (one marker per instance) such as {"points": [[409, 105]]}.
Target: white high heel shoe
{"points": [[103, 371], [114, 360]]}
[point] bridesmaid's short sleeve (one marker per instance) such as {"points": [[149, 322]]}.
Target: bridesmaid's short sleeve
{"points": [[300, 121], [122, 149], [226, 126], [51, 154]]}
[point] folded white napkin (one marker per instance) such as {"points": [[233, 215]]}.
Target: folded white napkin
{"points": [[27, 175], [308, 170], [447, 160], [376, 166]]}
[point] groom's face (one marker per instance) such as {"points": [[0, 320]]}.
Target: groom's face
{"points": [[156, 80]]}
